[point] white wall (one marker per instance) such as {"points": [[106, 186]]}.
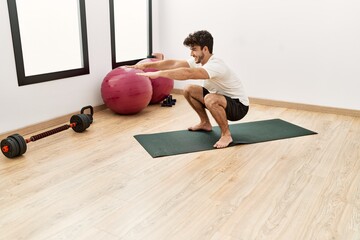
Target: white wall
{"points": [[26, 105], [298, 51]]}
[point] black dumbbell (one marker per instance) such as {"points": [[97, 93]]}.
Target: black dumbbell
{"points": [[15, 145], [168, 101]]}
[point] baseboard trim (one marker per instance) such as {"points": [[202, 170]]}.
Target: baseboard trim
{"points": [[306, 107], [42, 126], [177, 91], [298, 106]]}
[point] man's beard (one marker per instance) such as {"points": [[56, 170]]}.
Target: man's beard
{"points": [[199, 59]]}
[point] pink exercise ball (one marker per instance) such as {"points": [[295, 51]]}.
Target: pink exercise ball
{"points": [[125, 92], [161, 86]]}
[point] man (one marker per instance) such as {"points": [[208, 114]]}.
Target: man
{"points": [[223, 93]]}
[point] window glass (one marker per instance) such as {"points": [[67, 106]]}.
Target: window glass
{"points": [[131, 30]]}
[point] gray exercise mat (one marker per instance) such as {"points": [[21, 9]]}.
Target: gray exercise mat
{"points": [[184, 141]]}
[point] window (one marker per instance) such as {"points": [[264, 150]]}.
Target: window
{"points": [[49, 39], [131, 31]]}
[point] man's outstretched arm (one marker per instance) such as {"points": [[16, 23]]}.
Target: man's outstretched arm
{"points": [[183, 73], [162, 65]]}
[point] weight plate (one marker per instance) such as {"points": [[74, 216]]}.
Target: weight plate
{"points": [[86, 120], [80, 123], [22, 143], [13, 147]]}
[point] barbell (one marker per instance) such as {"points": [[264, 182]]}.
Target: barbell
{"points": [[15, 145]]}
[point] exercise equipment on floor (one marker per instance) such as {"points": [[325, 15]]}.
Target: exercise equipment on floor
{"points": [[15, 145], [168, 101], [161, 86], [125, 92]]}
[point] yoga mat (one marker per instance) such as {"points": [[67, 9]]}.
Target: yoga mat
{"points": [[184, 141]]}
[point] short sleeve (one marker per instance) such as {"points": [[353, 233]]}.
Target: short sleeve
{"points": [[215, 69]]}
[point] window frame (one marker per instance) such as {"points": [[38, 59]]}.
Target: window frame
{"points": [[19, 58], [116, 64]]}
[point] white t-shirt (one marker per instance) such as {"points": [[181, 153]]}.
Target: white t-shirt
{"points": [[222, 79]]}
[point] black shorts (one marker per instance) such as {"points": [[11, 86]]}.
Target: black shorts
{"points": [[235, 110]]}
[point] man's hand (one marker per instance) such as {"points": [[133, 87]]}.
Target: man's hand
{"points": [[137, 66], [150, 74]]}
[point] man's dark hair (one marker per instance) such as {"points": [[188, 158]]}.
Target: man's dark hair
{"points": [[200, 38]]}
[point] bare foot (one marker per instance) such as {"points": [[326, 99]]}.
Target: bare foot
{"points": [[223, 142], [201, 127]]}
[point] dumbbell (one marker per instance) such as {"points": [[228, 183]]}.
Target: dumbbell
{"points": [[15, 145], [168, 101]]}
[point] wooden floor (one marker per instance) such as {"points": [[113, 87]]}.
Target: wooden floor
{"points": [[101, 184]]}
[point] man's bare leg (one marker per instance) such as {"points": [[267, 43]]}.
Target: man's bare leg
{"points": [[216, 104], [194, 95]]}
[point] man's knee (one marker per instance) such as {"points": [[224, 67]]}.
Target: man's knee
{"points": [[187, 91], [191, 90]]}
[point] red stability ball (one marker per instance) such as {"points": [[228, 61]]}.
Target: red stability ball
{"points": [[124, 92], [161, 86]]}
